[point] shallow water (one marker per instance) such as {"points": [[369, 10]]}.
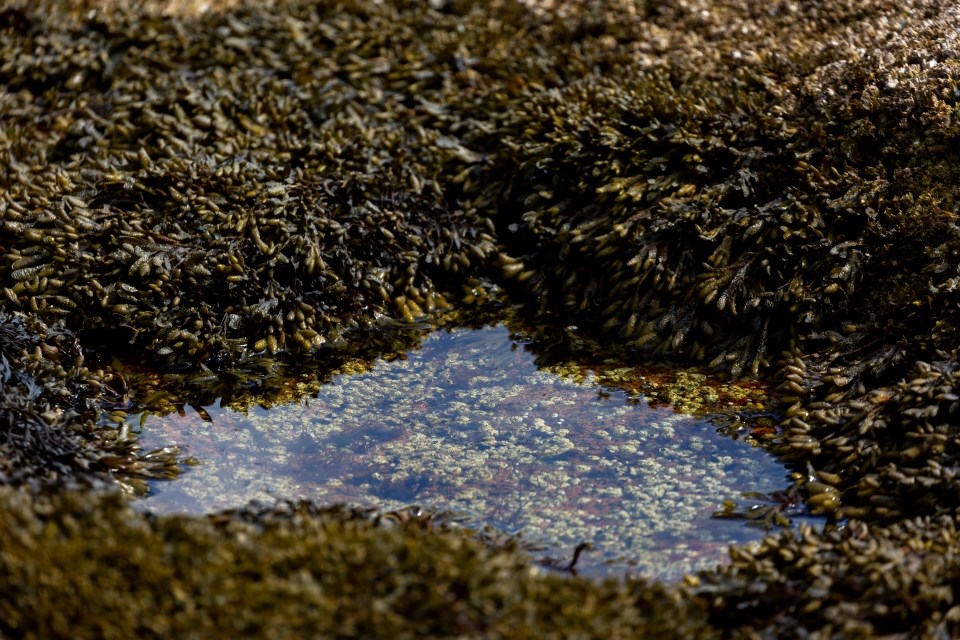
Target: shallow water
{"points": [[469, 423]]}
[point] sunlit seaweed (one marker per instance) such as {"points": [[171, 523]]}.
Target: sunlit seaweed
{"points": [[766, 189]]}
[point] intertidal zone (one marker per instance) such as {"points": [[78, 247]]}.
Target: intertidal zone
{"points": [[764, 189]]}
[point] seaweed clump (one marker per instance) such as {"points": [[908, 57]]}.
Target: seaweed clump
{"points": [[219, 191], [763, 208], [292, 571], [49, 412]]}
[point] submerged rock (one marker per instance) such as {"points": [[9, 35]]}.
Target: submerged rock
{"points": [[467, 424]]}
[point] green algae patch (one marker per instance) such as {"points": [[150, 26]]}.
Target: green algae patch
{"points": [[86, 566], [467, 423]]}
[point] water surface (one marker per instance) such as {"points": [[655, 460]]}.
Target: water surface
{"points": [[469, 423]]}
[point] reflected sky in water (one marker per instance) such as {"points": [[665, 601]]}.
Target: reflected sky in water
{"points": [[468, 423]]}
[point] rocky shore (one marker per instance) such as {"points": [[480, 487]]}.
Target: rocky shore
{"points": [[764, 189]]}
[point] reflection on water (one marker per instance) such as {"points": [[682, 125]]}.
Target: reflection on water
{"points": [[469, 423]]}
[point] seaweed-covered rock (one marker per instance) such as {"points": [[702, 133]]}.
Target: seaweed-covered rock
{"points": [[82, 566], [852, 582], [53, 431], [732, 208], [755, 200], [221, 186], [768, 189]]}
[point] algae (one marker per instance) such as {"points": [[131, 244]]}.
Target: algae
{"points": [[767, 190]]}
